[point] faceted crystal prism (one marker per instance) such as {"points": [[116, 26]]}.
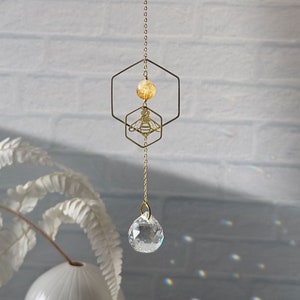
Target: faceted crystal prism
{"points": [[145, 235]]}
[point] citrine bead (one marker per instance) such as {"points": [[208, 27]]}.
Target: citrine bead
{"points": [[146, 89]]}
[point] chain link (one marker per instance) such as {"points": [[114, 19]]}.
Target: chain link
{"points": [[145, 169], [145, 203], [145, 39]]}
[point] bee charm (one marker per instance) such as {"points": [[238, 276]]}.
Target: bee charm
{"points": [[145, 125]]}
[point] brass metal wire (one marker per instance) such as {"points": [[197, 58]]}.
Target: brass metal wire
{"points": [[113, 104], [145, 205]]}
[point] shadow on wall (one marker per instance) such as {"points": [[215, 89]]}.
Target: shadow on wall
{"points": [[214, 248]]}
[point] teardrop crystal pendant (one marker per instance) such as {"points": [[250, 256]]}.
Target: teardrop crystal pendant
{"points": [[145, 234]]}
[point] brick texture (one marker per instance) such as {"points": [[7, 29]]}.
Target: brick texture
{"points": [[224, 180]]}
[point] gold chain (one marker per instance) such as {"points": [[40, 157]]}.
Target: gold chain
{"points": [[145, 203], [145, 39], [145, 170]]}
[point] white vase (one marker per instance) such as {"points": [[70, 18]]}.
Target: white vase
{"points": [[65, 282]]}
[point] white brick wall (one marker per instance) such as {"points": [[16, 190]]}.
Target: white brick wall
{"points": [[238, 137]]}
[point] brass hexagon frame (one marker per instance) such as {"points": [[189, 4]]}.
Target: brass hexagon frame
{"points": [[130, 126], [158, 66]]}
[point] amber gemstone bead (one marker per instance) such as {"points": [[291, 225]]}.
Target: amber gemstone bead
{"points": [[146, 89]]}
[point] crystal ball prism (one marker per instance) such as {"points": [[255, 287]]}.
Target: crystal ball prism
{"points": [[145, 234]]}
